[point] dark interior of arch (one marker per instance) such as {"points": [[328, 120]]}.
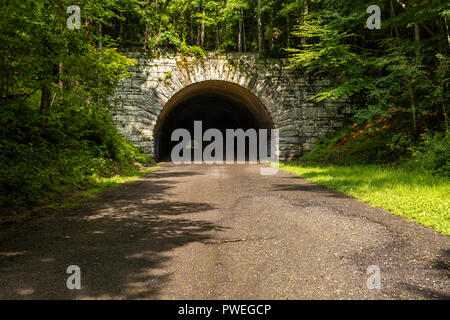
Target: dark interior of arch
{"points": [[218, 104]]}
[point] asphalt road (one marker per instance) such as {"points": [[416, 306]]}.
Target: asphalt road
{"points": [[223, 232]]}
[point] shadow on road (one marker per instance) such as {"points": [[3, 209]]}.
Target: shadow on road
{"points": [[121, 242], [308, 187]]}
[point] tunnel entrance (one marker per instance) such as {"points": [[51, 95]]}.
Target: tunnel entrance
{"points": [[218, 104]]}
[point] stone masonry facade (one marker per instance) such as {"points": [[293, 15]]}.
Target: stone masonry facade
{"points": [[285, 93]]}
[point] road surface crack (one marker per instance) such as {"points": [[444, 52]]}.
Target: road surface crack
{"points": [[225, 241]]}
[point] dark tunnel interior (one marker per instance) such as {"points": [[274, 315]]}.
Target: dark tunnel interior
{"points": [[218, 104]]}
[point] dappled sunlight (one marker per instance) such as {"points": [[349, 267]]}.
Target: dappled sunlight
{"points": [[13, 254], [25, 292], [122, 243]]}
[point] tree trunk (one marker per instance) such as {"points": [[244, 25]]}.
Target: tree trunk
{"points": [[288, 31], [50, 71], [417, 38], [45, 98], [203, 29], [121, 31], [146, 36], [444, 112], [60, 73], [100, 32], [191, 27], [397, 34], [271, 41], [199, 34], [448, 34], [217, 37], [413, 106], [411, 92], [305, 13], [260, 31], [243, 31], [240, 32]]}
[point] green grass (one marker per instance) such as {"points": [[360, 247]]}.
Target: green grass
{"points": [[102, 184], [413, 195], [72, 199]]}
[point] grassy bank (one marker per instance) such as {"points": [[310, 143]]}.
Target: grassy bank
{"points": [[46, 158], [413, 195], [75, 198], [102, 184]]}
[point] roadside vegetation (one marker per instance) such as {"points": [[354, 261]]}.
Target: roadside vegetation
{"points": [[413, 195], [76, 195], [395, 151], [410, 178], [57, 136]]}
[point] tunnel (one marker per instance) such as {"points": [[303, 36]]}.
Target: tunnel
{"points": [[218, 104]]}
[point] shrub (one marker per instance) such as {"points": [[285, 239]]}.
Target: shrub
{"points": [[168, 39], [41, 158], [433, 153]]}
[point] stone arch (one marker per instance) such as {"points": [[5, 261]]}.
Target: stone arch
{"points": [[218, 104], [169, 76], [285, 94], [169, 80]]}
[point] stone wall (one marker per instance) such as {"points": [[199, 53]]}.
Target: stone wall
{"points": [[139, 100]]}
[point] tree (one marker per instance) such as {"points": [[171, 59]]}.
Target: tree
{"points": [[397, 68]]}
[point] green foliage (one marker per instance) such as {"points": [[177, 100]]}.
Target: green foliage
{"points": [[323, 151], [383, 144], [370, 147], [432, 154], [399, 75], [168, 39], [404, 67], [400, 143], [56, 131], [42, 158], [192, 50], [328, 52], [100, 184]]}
